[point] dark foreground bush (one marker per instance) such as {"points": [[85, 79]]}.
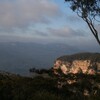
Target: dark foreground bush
{"points": [[13, 87]]}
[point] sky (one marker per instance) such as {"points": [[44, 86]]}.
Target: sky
{"points": [[44, 21]]}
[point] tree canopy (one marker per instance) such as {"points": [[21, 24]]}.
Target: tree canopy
{"points": [[89, 11]]}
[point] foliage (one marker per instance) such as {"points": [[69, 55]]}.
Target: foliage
{"points": [[14, 87], [94, 57], [89, 11]]}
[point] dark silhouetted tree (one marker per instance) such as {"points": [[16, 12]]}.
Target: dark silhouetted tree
{"points": [[89, 11]]}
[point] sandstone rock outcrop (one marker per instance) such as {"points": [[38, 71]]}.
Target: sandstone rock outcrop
{"points": [[87, 63]]}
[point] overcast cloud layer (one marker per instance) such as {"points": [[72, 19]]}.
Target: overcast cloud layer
{"points": [[42, 21], [21, 13]]}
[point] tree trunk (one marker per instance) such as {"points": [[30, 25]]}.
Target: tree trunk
{"points": [[93, 30]]}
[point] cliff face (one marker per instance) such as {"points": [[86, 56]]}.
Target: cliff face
{"points": [[87, 63]]}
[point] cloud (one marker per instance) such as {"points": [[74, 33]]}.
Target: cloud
{"points": [[22, 13], [40, 33], [74, 18], [36, 21], [98, 28], [66, 32]]}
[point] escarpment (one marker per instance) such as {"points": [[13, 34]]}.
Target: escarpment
{"points": [[87, 63]]}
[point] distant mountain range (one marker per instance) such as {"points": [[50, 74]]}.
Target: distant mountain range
{"points": [[19, 57]]}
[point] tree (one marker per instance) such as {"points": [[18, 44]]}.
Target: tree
{"points": [[89, 11]]}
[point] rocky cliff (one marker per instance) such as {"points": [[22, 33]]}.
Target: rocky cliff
{"points": [[87, 63]]}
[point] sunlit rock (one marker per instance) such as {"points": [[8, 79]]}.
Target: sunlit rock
{"points": [[86, 63]]}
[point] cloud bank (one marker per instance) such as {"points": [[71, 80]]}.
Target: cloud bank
{"points": [[22, 13], [42, 21]]}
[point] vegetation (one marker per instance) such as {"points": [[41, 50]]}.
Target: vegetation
{"points": [[15, 87], [89, 11], [94, 57]]}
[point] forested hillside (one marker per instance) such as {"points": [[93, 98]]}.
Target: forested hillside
{"points": [[81, 56]]}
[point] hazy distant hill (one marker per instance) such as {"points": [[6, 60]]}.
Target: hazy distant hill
{"points": [[20, 57]]}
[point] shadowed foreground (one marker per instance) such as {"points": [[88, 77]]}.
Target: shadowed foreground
{"points": [[14, 87]]}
